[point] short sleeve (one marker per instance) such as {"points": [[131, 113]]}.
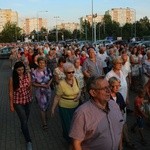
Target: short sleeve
{"points": [[59, 90], [77, 130]]}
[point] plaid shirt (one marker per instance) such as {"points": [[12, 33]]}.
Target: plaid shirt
{"points": [[23, 94]]}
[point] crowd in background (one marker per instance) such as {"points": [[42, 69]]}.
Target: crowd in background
{"points": [[64, 70]]}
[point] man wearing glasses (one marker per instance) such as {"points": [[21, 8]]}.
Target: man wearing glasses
{"points": [[97, 124]]}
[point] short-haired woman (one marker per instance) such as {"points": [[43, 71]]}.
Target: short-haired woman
{"points": [[67, 98], [41, 79], [20, 98]]}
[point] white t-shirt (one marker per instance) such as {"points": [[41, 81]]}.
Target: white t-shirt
{"points": [[103, 57], [123, 88], [126, 69]]}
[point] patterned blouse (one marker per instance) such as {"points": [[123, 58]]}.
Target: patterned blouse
{"points": [[23, 94]]}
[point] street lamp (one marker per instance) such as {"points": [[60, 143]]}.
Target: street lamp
{"points": [[92, 20], [38, 22], [56, 17], [94, 16]]}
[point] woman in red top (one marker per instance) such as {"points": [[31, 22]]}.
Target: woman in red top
{"points": [[20, 98]]}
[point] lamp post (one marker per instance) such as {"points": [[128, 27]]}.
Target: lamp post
{"points": [[94, 16], [38, 22], [92, 21], [56, 17]]}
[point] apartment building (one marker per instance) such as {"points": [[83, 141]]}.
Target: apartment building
{"points": [[69, 26], [34, 24], [7, 15], [96, 18], [122, 15]]}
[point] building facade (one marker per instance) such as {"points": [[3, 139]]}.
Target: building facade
{"points": [[7, 15], [96, 18], [36, 24], [122, 15], [69, 26]]}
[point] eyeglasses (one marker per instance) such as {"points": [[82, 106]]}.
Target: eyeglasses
{"points": [[107, 88], [71, 72]]}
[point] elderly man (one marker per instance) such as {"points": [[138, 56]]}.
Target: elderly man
{"points": [[97, 124], [92, 66]]}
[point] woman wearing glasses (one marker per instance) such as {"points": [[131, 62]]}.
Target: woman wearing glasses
{"points": [[67, 98], [116, 72]]}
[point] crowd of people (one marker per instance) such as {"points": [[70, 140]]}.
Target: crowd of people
{"points": [[91, 87]]}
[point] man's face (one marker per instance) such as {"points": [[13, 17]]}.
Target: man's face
{"points": [[102, 92]]}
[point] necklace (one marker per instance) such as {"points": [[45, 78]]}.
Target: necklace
{"points": [[70, 82]]}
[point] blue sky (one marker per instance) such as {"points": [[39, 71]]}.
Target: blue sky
{"points": [[72, 10]]}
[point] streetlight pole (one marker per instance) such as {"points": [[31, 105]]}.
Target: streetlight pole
{"points": [[92, 21], [135, 22], [94, 16], [56, 17]]}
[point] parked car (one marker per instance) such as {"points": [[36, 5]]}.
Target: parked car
{"points": [[103, 43], [81, 43], [5, 52], [145, 44], [132, 44], [121, 42]]}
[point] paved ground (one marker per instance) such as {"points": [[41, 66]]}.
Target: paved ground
{"points": [[11, 137]]}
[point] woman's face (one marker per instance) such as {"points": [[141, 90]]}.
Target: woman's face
{"points": [[50, 52], [118, 65], [41, 64], [77, 63], [124, 57], [69, 73], [20, 71], [115, 86]]}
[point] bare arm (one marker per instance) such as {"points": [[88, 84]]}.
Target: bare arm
{"points": [[11, 95], [77, 145], [55, 103], [86, 74]]}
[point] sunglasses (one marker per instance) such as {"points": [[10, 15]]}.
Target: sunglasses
{"points": [[70, 72]]}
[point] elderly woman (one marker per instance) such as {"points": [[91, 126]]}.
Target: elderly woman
{"points": [[41, 79], [59, 71], [115, 85], [80, 77], [116, 72], [67, 98]]}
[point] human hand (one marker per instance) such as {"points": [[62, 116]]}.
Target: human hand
{"points": [[45, 86], [52, 112]]}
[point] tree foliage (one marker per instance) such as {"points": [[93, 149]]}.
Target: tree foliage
{"points": [[10, 33]]}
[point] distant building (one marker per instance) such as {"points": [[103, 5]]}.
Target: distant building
{"points": [[122, 15], [34, 24], [7, 15], [69, 26], [96, 18]]}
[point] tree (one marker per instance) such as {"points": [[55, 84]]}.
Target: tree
{"points": [[10, 33], [76, 34]]}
